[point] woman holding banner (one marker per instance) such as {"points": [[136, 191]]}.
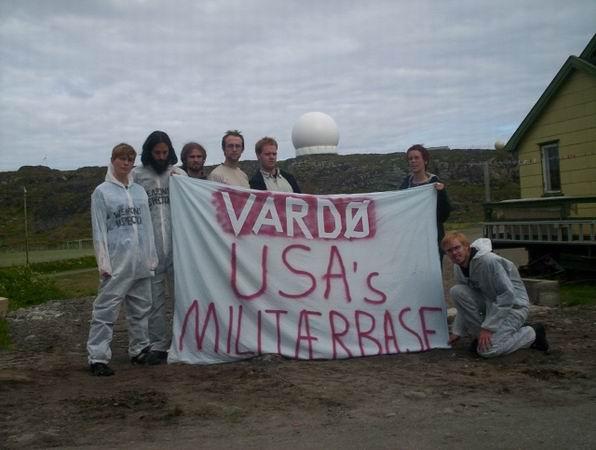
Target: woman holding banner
{"points": [[418, 158]]}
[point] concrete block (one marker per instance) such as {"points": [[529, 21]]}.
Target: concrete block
{"points": [[3, 307], [543, 292]]}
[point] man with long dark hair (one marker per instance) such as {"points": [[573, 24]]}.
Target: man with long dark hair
{"points": [[158, 160]]}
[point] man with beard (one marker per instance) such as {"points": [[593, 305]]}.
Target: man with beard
{"points": [[229, 172], [193, 158], [158, 160]]}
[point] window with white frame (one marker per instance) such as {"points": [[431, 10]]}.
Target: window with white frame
{"points": [[550, 167]]}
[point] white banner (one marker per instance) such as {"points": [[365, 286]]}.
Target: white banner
{"points": [[304, 276]]}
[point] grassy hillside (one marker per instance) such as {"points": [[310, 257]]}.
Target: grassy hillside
{"points": [[59, 201]]}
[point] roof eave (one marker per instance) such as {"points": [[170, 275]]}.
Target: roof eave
{"points": [[572, 63]]}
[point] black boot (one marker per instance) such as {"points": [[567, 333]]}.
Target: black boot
{"points": [[540, 343], [100, 370], [141, 358], [157, 357]]}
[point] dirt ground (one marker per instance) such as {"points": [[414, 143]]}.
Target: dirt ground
{"points": [[437, 399]]}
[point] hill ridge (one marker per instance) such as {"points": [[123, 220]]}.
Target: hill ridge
{"points": [[59, 200]]}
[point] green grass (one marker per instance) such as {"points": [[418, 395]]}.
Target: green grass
{"points": [[573, 294], [39, 256], [78, 283]]}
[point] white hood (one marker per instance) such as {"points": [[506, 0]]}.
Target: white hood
{"points": [[112, 178], [483, 246]]}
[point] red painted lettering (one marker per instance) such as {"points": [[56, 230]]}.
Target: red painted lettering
{"points": [[234, 276], [335, 335], [294, 215], [313, 280], [238, 332], [366, 334], [425, 331], [382, 296], [278, 313], [334, 254], [230, 328], [194, 308], [390, 336], [304, 325], [407, 328]]}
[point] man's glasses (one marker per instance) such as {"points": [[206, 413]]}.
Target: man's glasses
{"points": [[455, 248]]}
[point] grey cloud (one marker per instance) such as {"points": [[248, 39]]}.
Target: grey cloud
{"points": [[79, 77]]}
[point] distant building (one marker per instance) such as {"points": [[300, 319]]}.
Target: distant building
{"points": [[556, 150], [315, 133], [441, 147]]}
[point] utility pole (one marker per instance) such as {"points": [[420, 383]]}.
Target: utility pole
{"points": [[26, 227], [486, 182]]}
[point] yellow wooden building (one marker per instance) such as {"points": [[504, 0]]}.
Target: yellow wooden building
{"points": [[556, 148]]}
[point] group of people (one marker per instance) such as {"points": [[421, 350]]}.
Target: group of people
{"points": [[490, 297], [132, 236]]}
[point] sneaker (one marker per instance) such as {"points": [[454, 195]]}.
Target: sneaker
{"points": [[157, 357], [141, 358], [540, 343], [100, 370]]}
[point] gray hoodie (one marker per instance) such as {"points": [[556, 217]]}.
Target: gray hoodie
{"points": [[497, 279]]}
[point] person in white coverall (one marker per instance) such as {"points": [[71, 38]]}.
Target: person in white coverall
{"points": [[158, 160], [126, 258], [491, 300]]}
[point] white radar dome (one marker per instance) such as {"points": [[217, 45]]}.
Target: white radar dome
{"points": [[315, 133]]}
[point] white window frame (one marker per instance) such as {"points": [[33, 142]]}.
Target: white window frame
{"points": [[547, 160]]}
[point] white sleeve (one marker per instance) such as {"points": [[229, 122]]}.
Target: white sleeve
{"points": [[148, 227], [100, 232]]}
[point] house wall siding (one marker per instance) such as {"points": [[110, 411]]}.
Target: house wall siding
{"points": [[570, 119]]}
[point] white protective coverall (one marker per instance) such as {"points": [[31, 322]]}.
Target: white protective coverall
{"points": [[157, 187], [493, 297], [125, 249]]}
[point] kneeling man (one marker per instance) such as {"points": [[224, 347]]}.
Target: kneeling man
{"points": [[491, 299]]}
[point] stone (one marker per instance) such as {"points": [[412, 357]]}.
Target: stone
{"points": [[543, 292], [3, 307], [451, 313], [414, 395]]}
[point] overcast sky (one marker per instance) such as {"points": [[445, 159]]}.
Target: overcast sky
{"points": [[78, 77]]}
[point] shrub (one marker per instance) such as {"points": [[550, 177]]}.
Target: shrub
{"points": [[23, 287]]}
